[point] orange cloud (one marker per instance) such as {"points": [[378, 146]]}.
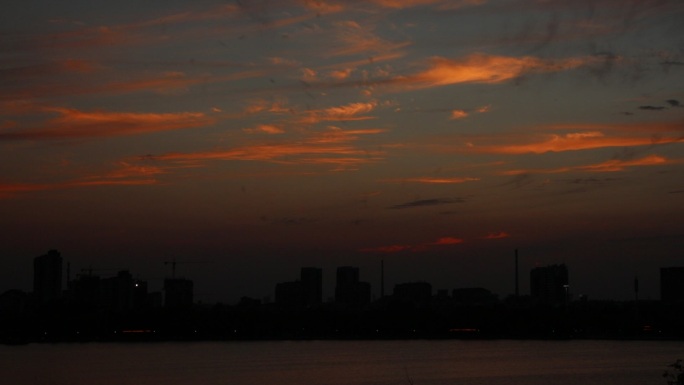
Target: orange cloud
{"points": [[340, 74], [73, 123], [443, 5], [8, 190], [497, 235], [482, 68], [265, 129], [612, 165], [447, 241], [165, 83], [332, 147], [400, 4], [431, 180], [355, 39], [349, 112], [458, 114], [11, 189], [571, 142], [619, 165]]}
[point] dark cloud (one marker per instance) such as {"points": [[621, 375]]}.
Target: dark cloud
{"points": [[651, 108], [590, 181], [427, 202], [673, 102], [518, 181]]}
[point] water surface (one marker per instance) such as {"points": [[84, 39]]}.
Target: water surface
{"points": [[342, 362]]}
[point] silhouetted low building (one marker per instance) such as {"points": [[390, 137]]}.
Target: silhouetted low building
{"points": [[349, 290], [473, 296], [672, 284], [85, 291], [549, 284], [418, 293], [13, 302]]}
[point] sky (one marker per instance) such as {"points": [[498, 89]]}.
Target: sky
{"points": [[246, 139]]}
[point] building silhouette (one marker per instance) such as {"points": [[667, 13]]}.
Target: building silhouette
{"points": [[178, 293], [47, 277], [672, 284], [306, 291], [417, 293], [348, 289], [549, 284], [473, 296], [311, 279], [123, 293]]}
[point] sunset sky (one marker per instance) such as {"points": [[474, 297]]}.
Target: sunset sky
{"points": [[250, 138]]}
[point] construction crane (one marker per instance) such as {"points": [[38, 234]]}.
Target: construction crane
{"points": [[173, 264]]}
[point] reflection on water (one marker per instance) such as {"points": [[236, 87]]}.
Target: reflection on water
{"points": [[342, 362]]}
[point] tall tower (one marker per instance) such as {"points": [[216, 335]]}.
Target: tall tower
{"points": [[47, 277]]}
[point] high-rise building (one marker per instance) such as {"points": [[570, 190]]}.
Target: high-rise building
{"points": [[549, 284], [312, 285], [672, 284], [348, 289], [47, 277], [178, 293]]}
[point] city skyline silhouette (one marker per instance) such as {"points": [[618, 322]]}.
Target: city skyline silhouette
{"points": [[122, 308], [248, 139]]}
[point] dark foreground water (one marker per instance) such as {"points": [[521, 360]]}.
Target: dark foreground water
{"points": [[342, 362]]}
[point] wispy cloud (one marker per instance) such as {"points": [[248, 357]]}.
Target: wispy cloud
{"points": [[265, 129], [348, 112], [457, 114], [584, 137], [447, 241], [427, 203], [484, 68], [122, 173], [72, 123], [497, 235], [166, 82], [474, 68], [354, 39], [333, 147], [613, 165], [422, 247], [431, 180]]}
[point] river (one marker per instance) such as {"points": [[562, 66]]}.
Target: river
{"points": [[418, 362]]}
